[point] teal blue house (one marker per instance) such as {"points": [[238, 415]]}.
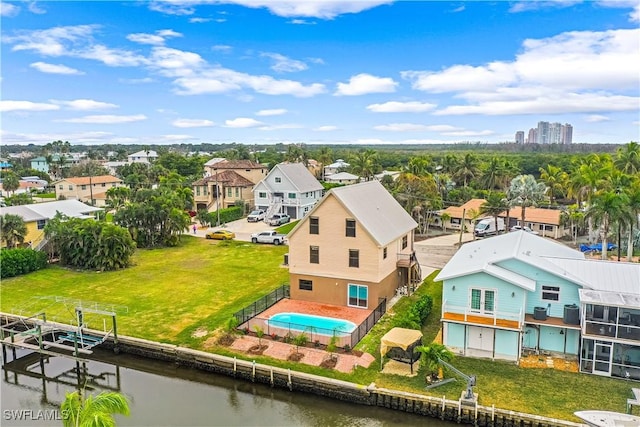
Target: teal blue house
{"points": [[519, 293]]}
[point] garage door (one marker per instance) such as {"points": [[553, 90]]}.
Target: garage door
{"points": [[481, 338]]}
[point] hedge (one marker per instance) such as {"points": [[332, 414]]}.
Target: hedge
{"points": [[15, 262], [415, 317], [228, 214]]}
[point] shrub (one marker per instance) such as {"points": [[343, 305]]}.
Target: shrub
{"points": [[16, 262], [415, 317], [229, 214]]}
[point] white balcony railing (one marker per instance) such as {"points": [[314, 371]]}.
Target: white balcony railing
{"points": [[495, 318]]}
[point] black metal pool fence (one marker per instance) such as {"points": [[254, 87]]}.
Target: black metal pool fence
{"points": [[260, 305], [289, 330]]}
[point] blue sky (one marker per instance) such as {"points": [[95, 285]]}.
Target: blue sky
{"points": [[318, 72]]}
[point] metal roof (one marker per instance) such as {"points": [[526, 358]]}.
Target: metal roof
{"points": [[299, 176], [47, 210], [23, 211], [375, 209], [608, 276], [588, 296]]}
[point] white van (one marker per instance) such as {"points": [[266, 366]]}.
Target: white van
{"points": [[487, 227]]}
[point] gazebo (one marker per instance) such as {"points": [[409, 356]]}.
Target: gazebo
{"points": [[399, 344]]}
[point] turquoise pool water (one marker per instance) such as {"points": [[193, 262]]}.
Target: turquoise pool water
{"points": [[321, 325]]}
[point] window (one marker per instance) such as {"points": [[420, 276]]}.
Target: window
{"points": [[61, 187], [237, 192], [229, 192], [292, 195], [104, 184], [305, 285], [351, 228], [354, 258], [404, 242], [197, 191], [455, 221], [84, 187], [550, 293], [384, 253], [314, 225], [262, 195], [278, 180], [482, 301], [314, 254], [358, 295], [41, 223]]}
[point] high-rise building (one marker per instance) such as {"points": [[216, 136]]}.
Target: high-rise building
{"points": [[532, 138], [520, 137], [566, 134], [555, 133], [542, 136]]}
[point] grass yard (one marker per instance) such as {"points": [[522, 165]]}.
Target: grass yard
{"points": [[173, 293], [169, 293]]}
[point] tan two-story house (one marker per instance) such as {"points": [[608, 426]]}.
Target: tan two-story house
{"points": [[354, 248], [226, 182], [88, 189]]}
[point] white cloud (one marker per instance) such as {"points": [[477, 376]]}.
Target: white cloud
{"points": [[221, 80], [45, 138], [282, 64], [363, 84], [26, 106], [301, 22], [52, 41], [174, 62], [528, 5], [34, 8], [54, 68], [173, 7], [469, 133], [316, 9], [176, 137], [112, 57], [243, 122], [327, 128], [595, 118], [282, 126], [154, 39], [107, 119], [143, 38], [458, 9], [413, 127], [573, 72], [8, 9], [199, 20], [222, 48], [84, 104], [401, 107], [401, 127], [272, 112], [137, 81], [192, 123]]}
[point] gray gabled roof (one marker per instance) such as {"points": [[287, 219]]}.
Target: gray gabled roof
{"points": [[23, 211], [299, 176], [375, 209], [607, 276]]}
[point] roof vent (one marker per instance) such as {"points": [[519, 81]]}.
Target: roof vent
{"points": [[528, 253]]}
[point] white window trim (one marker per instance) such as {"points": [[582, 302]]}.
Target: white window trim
{"points": [[482, 301], [359, 286], [550, 291]]}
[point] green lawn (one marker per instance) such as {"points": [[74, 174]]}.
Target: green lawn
{"points": [[170, 293]]}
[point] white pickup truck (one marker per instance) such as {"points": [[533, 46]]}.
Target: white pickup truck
{"points": [[268, 237]]}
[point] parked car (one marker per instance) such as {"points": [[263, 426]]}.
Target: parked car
{"points": [[278, 219], [257, 215], [268, 237], [518, 228], [487, 227], [221, 235]]}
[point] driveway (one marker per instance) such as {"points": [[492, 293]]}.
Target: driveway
{"points": [[241, 227]]}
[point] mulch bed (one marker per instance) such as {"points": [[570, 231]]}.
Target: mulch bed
{"points": [[329, 363], [226, 340], [295, 357], [257, 349]]}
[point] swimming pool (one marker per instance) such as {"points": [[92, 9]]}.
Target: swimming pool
{"points": [[318, 324]]}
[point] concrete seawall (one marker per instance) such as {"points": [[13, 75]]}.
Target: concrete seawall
{"points": [[444, 409]]}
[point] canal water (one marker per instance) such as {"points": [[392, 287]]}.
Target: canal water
{"points": [[163, 394]]}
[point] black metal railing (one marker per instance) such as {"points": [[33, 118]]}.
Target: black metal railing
{"points": [[364, 327], [258, 306]]}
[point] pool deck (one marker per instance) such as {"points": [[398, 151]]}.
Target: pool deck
{"points": [[355, 315]]}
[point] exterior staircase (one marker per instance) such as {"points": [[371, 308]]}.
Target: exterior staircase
{"points": [[274, 207]]}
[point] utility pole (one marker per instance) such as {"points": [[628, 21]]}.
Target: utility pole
{"points": [[462, 227], [217, 199]]}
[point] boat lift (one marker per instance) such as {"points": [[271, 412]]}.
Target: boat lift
{"points": [[468, 397]]}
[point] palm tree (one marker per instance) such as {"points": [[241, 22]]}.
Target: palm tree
{"points": [[525, 191], [419, 165], [493, 173], [628, 158], [365, 163], [556, 181], [432, 354], [467, 169], [633, 192], [10, 182], [13, 229], [606, 208], [325, 157], [494, 205], [95, 411]]}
